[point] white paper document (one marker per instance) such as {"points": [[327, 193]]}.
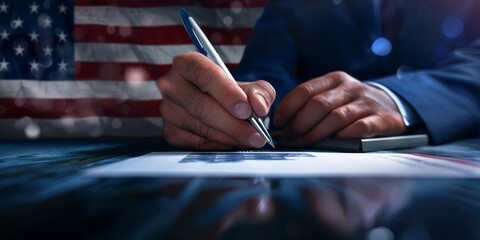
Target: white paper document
{"points": [[286, 164]]}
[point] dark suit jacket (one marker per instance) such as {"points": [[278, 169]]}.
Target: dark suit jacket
{"points": [[434, 63]]}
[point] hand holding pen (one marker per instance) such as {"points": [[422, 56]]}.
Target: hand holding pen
{"points": [[204, 109], [205, 47]]}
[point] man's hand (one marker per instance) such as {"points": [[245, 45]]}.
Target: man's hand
{"points": [[203, 109], [337, 105]]}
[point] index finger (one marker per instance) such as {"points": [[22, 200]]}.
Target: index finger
{"points": [[211, 79]]}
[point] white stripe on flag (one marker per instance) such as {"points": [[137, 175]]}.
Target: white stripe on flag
{"points": [[165, 16], [80, 127], [154, 54], [79, 89]]}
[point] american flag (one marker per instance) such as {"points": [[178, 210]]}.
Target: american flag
{"points": [[87, 68]]}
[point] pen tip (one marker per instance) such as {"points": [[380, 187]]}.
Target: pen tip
{"points": [[271, 144]]}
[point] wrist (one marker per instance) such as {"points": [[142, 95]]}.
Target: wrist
{"points": [[409, 117]]}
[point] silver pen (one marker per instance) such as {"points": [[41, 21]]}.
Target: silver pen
{"points": [[206, 48]]}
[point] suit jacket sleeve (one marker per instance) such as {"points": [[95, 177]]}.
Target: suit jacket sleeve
{"points": [[445, 94], [447, 98], [271, 53]]}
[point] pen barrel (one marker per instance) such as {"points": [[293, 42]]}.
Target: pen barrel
{"points": [[258, 125], [209, 49], [218, 61]]}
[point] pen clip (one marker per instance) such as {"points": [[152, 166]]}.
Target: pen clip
{"points": [[191, 33]]}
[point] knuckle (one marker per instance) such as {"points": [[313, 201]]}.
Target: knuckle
{"points": [[320, 102], [206, 131], [199, 107], [348, 94], [364, 127], [179, 60], [204, 74], [373, 105], [182, 60], [164, 84], [343, 115], [339, 75], [199, 73], [190, 124], [359, 89], [306, 89], [392, 126], [269, 91], [191, 55]]}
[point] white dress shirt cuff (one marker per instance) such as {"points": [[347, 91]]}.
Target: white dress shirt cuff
{"points": [[410, 117]]}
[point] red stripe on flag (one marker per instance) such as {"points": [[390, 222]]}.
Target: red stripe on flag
{"points": [[76, 108], [158, 138], [121, 71], [165, 3], [165, 35], [130, 72]]}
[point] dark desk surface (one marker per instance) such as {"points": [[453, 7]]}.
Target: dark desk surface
{"points": [[43, 194]]}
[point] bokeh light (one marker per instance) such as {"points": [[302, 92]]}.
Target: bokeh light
{"points": [[452, 27], [404, 73], [111, 30], [125, 31], [135, 75], [68, 124], [146, 20], [227, 21], [116, 123], [216, 38], [236, 7], [29, 127], [381, 47], [94, 126], [32, 130], [380, 233]]}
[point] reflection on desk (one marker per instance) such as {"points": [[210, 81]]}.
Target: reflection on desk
{"points": [[44, 195]]}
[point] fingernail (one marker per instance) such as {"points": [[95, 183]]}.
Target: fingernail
{"points": [[242, 110], [255, 140]]}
